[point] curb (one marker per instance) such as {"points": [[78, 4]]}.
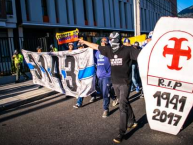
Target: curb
{"points": [[26, 101], [11, 79]]}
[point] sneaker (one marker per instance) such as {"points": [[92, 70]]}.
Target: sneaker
{"points": [[92, 99], [77, 106], [115, 102], [105, 113], [132, 126], [137, 89], [119, 138]]}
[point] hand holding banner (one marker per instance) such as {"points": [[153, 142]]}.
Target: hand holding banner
{"points": [[71, 73], [165, 66]]}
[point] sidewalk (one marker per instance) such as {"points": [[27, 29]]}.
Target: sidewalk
{"points": [[13, 95], [11, 78]]}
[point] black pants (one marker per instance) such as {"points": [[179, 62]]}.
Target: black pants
{"points": [[127, 117], [19, 70]]}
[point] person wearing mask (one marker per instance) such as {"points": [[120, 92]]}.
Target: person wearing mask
{"points": [[120, 59], [53, 48], [18, 60]]}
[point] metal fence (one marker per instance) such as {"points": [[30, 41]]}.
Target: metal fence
{"points": [[9, 44]]}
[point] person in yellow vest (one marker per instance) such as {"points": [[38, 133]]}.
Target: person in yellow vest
{"points": [[18, 60], [53, 48]]}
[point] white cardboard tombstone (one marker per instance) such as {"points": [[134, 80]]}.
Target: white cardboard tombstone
{"points": [[166, 70]]}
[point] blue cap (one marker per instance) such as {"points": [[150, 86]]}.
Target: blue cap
{"points": [[126, 40], [150, 35]]}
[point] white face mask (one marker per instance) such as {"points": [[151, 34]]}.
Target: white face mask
{"points": [[114, 46], [114, 42], [110, 42]]}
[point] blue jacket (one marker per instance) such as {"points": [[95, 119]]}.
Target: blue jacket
{"points": [[103, 66]]}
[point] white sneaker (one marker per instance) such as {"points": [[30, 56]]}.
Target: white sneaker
{"points": [[105, 113], [115, 102], [92, 99], [77, 106]]}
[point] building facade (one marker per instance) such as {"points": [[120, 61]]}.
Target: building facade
{"points": [[93, 14], [37, 21]]}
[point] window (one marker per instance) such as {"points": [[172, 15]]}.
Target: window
{"points": [[56, 9], [45, 11], [126, 15], [74, 11], [113, 13], [110, 15], [2, 9], [85, 12], [44, 8], [120, 14], [145, 20], [104, 13], [9, 9], [67, 12], [94, 11], [142, 19], [27, 9]]}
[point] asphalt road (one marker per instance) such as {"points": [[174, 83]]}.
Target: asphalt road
{"points": [[53, 121]]}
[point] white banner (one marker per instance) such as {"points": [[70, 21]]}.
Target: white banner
{"points": [[167, 76], [71, 73]]}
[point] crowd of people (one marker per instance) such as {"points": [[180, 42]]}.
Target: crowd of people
{"points": [[117, 75]]}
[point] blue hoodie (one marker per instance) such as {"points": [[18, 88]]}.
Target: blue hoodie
{"points": [[103, 66]]}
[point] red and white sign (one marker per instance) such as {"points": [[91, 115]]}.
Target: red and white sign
{"points": [[167, 76]]}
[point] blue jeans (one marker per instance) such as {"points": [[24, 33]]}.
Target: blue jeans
{"points": [[135, 75], [105, 88], [80, 99]]}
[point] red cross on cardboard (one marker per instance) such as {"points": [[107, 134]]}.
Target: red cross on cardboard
{"points": [[165, 66]]}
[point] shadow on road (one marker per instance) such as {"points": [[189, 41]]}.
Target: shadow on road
{"points": [[33, 109], [97, 99], [113, 111], [17, 88], [189, 119], [12, 94], [141, 122], [134, 97]]}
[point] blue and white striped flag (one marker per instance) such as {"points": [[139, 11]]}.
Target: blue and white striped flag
{"points": [[71, 73]]}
